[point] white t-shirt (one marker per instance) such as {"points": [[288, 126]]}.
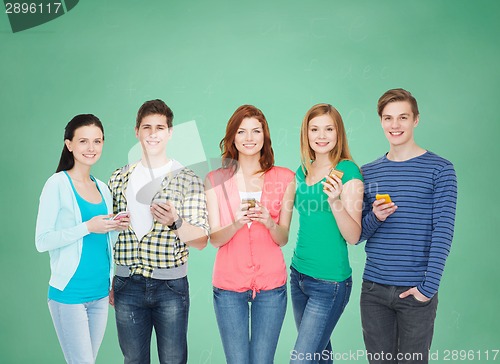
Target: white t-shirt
{"points": [[143, 184]]}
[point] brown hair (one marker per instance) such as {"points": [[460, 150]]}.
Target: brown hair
{"points": [[339, 152], [397, 94], [230, 153], [154, 107]]}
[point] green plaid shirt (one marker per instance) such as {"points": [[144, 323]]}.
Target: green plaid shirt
{"points": [[160, 248]]}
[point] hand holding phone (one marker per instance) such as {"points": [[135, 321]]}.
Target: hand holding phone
{"points": [[383, 207], [336, 173], [385, 197], [120, 215]]}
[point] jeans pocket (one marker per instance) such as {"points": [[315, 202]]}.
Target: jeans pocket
{"points": [[280, 292], [418, 302], [322, 288], [119, 283], [367, 286], [179, 286], [325, 281], [217, 291], [280, 289]]}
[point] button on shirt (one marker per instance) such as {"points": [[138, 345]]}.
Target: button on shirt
{"points": [[251, 260], [160, 248]]}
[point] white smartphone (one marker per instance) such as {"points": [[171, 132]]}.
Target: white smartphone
{"points": [[120, 215]]}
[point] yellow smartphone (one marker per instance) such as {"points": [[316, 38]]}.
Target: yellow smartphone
{"points": [[249, 201], [334, 172], [337, 173], [385, 197]]}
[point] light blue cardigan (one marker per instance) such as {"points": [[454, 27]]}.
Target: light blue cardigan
{"points": [[60, 230]]}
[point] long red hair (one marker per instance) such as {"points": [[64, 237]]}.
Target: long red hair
{"points": [[230, 153]]}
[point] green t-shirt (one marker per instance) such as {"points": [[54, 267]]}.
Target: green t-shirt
{"points": [[321, 251]]}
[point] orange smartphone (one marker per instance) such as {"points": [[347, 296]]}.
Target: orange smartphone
{"points": [[385, 197], [337, 173], [334, 172]]}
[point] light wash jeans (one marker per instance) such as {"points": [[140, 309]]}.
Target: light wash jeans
{"points": [[245, 340], [317, 307], [80, 328]]}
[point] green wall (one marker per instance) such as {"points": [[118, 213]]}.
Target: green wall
{"points": [[205, 58]]}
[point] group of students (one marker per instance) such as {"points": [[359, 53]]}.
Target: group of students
{"points": [[127, 243]]}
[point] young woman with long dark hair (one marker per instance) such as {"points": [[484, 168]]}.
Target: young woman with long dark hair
{"points": [[75, 226]]}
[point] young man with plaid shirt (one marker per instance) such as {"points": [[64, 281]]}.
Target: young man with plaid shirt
{"points": [[167, 208]]}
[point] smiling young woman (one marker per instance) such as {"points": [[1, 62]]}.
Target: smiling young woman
{"points": [[74, 226], [250, 204], [329, 209]]}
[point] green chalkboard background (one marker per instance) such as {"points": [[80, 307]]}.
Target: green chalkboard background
{"points": [[205, 58]]}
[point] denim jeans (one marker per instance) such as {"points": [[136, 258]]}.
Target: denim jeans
{"points": [[395, 326], [142, 304], [80, 328], [317, 306], [245, 344]]}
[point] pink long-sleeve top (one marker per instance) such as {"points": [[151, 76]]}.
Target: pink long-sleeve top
{"points": [[251, 260]]}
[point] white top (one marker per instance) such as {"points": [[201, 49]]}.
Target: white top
{"points": [[143, 184], [246, 195]]}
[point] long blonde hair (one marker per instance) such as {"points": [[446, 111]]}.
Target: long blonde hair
{"points": [[338, 153]]}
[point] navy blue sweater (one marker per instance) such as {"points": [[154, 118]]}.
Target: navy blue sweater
{"points": [[411, 246]]}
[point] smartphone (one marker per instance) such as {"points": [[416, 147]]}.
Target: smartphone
{"points": [[385, 197], [249, 201], [158, 200], [120, 215], [334, 172]]}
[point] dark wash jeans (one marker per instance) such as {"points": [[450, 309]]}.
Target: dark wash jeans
{"points": [[317, 307], [401, 329], [143, 303]]}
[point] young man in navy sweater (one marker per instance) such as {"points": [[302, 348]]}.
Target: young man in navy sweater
{"points": [[407, 240]]}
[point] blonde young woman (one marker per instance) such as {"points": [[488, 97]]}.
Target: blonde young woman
{"points": [[329, 218], [250, 204]]}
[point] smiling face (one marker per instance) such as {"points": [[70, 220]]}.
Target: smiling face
{"points": [[398, 122], [86, 145], [249, 137], [322, 134], [153, 133]]}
